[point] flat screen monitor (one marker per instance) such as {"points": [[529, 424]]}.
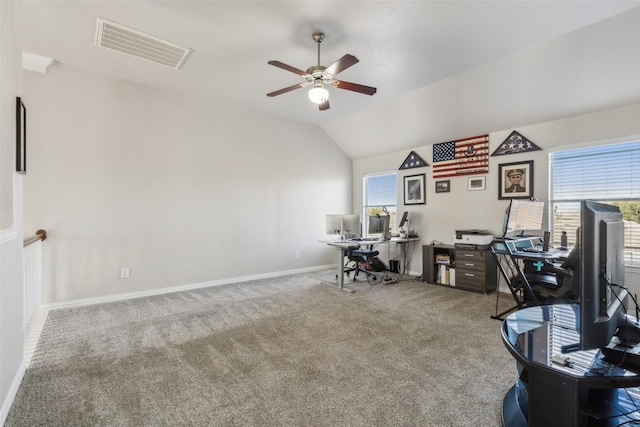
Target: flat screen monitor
{"points": [[379, 224], [522, 216], [343, 224], [600, 273], [405, 216]]}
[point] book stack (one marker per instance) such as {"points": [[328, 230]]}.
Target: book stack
{"points": [[446, 275]]}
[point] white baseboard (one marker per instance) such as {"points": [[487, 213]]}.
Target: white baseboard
{"points": [[34, 330], [172, 289], [13, 390]]}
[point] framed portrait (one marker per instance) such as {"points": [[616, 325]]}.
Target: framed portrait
{"points": [[477, 183], [21, 137], [443, 186], [414, 192], [515, 180]]}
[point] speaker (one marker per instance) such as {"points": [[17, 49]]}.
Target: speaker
{"points": [[545, 241]]}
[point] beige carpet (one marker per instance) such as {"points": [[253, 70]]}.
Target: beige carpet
{"points": [[279, 352]]}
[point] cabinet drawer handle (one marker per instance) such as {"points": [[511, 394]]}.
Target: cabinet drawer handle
{"points": [[471, 255], [468, 264], [469, 274]]}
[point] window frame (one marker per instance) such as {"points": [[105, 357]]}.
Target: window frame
{"points": [[392, 209], [632, 260]]}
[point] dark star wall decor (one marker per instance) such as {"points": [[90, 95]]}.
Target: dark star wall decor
{"points": [[515, 143], [413, 161]]}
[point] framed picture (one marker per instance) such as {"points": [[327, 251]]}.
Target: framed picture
{"points": [[21, 137], [515, 180], [414, 193], [477, 183], [443, 186]]}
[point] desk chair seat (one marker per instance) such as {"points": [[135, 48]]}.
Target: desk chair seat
{"points": [[362, 259], [553, 280]]}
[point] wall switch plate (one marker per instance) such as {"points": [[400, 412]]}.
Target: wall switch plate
{"points": [[296, 255], [124, 273]]}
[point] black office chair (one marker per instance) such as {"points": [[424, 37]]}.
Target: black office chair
{"points": [[554, 281], [361, 259]]}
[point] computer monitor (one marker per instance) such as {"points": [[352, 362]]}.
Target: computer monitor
{"points": [[343, 224], [379, 224], [522, 216], [405, 216], [600, 273]]}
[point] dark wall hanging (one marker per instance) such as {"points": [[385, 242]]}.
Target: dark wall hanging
{"points": [[443, 186], [515, 143], [21, 137], [414, 190], [413, 161], [515, 180]]}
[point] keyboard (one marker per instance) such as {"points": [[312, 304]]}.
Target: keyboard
{"points": [[533, 249], [363, 239]]}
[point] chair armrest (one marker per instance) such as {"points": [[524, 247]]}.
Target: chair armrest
{"points": [[558, 270]]}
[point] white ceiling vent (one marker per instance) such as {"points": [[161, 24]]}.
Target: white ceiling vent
{"points": [[123, 39]]}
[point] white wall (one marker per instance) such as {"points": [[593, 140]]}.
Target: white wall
{"points": [[179, 191], [11, 332], [462, 209], [595, 67]]}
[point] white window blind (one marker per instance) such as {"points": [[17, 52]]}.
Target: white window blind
{"points": [[608, 174], [380, 191]]}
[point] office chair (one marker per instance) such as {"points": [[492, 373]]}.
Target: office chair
{"points": [[554, 280], [362, 258]]}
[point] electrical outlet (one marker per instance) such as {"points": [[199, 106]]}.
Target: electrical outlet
{"points": [[124, 273], [296, 254]]}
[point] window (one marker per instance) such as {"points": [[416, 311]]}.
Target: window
{"points": [[608, 174], [380, 193]]}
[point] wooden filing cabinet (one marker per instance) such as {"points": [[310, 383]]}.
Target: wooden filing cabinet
{"points": [[476, 270]]}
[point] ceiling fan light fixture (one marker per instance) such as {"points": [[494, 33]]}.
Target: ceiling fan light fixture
{"points": [[318, 94], [319, 76]]}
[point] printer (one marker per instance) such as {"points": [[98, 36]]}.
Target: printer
{"points": [[473, 239]]}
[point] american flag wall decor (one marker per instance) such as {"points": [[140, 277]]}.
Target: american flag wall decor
{"points": [[469, 156]]}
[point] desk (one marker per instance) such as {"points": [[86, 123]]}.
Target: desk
{"points": [[589, 392], [402, 241], [344, 245], [509, 254]]}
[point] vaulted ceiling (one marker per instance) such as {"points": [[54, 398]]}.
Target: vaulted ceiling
{"points": [[443, 69]]}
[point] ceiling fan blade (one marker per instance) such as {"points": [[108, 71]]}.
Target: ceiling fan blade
{"points": [[367, 90], [341, 64], [286, 89], [324, 105], [287, 67]]}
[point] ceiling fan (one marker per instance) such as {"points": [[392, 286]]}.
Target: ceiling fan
{"points": [[318, 76]]}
